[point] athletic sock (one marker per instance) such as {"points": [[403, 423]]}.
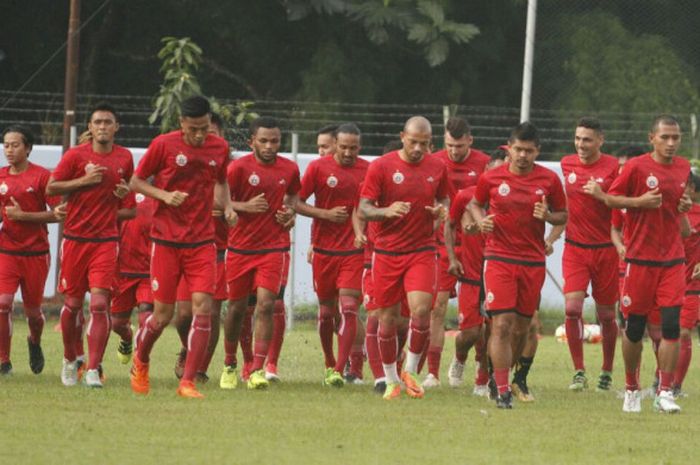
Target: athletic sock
{"points": [[665, 381], [434, 354], [69, 329], [500, 376], [279, 324], [632, 380], [357, 359], [98, 330], [609, 332], [684, 356], [347, 330], [374, 358], [419, 333], [325, 332], [387, 344], [230, 349], [5, 327], [482, 369], [260, 352], [79, 347], [143, 316], [35, 321], [574, 331], [121, 325], [198, 340], [149, 335]]}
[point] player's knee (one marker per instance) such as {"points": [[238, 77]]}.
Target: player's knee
{"points": [[606, 314], [74, 304], [145, 307], [99, 303], [348, 305], [635, 327], [670, 322], [6, 303], [574, 308]]}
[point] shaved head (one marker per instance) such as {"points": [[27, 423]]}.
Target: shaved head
{"points": [[418, 124]]}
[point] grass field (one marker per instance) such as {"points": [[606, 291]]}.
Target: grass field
{"points": [[299, 421]]}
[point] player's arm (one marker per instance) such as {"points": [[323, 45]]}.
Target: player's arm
{"points": [[14, 212], [93, 176], [173, 199], [222, 200], [455, 266], [686, 228], [650, 199], [358, 226], [616, 239], [369, 212], [337, 214], [483, 221], [553, 236], [286, 216], [467, 223]]}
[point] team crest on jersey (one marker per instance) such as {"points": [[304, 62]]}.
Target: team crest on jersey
{"points": [[139, 198], [332, 181], [489, 297], [571, 178], [30, 189], [430, 179], [181, 159], [3, 188], [503, 189], [652, 182], [89, 167], [120, 171], [471, 173], [154, 284], [398, 177], [626, 301], [212, 163], [599, 180], [539, 192], [254, 179]]}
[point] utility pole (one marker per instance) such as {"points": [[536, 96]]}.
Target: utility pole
{"points": [[71, 85], [528, 61]]}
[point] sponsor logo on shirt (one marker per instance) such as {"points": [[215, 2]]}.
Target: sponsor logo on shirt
{"points": [[539, 192], [571, 178], [181, 159], [430, 179], [212, 163], [626, 301], [503, 189], [282, 182], [120, 171], [30, 189], [471, 173], [332, 181], [254, 179], [140, 198], [652, 182], [3, 188], [398, 177], [598, 179]]}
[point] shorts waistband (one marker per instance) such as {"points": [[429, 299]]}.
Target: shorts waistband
{"points": [[472, 282], [428, 248], [513, 261], [182, 245], [581, 245], [135, 275], [339, 253], [24, 253], [91, 239], [663, 264], [258, 251]]}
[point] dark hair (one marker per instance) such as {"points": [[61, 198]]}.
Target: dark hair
{"points": [[666, 119], [218, 120], [500, 153], [458, 127], [195, 107], [526, 132], [348, 128], [590, 122], [330, 129], [27, 136], [695, 180], [103, 106], [630, 151], [267, 122], [392, 145]]}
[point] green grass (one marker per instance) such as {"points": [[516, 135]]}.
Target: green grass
{"points": [[299, 421]]}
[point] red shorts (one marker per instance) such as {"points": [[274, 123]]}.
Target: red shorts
{"points": [[598, 267], [246, 272], [27, 273], [221, 292], [367, 290], [469, 304], [396, 275], [513, 287], [129, 291], [285, 271], [446, 281], [334, 272], [197, 265], [647, 287], [87, 265], [690, 311]]}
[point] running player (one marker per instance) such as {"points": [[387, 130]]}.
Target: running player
{"points": [[521, 197], [188, 166], [264, 189], [406, 191], [464, 166], [652, 188], [24, 243], [325, 140], [589, 255], [337, 262], [94, 178]]}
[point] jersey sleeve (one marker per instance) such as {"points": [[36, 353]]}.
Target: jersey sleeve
{"points": [[617, 219], [557, 197], [481, 194], [65, 170], [371, 188], [621, 184], [221, 173], [445, 188], [232, 176], [152, 160], [129, 201], [50, 200], [308, 182], [458, 206], [295, 183]]}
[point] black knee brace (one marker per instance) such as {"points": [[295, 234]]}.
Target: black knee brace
{"points": [[670, 322], [635, 327]]}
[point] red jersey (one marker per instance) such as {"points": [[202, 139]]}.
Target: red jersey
{"points": [[390, 179], [135, 242], [248, 178], [511, 198], [465, 173], [589, 219], [654, 234], [333, 185], [691, 245], [177, 166], [29, 190], [471, 250], [91, 212]]}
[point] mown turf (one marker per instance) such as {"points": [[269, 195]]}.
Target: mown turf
{"points": [[299, 421]]}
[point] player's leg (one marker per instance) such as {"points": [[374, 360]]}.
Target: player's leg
{"points": [[605, 292], [436, 340], [34, 273], [325, 272], [246, 335], [470, 322], [262, 334], [10, 279], [524, 362], [689, 317], [123, 303], [279, 325], [202, 376]]}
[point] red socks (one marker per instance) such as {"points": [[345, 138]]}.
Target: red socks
{"points": [[5, 327], [325, 332], [198, 341], [609, 331], [262, 348], [246, 337], [500, 376], [387, 344], [632, 380], [70, 332], [149, 335], [684, 356], [574, 331], [279, 324], [374, 358], [347, 330], [434, 354], [35, 321], [98, 329]]}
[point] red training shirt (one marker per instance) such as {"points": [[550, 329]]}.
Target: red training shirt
{"points": [[471, 250], [691, 245], [135, 242]]}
